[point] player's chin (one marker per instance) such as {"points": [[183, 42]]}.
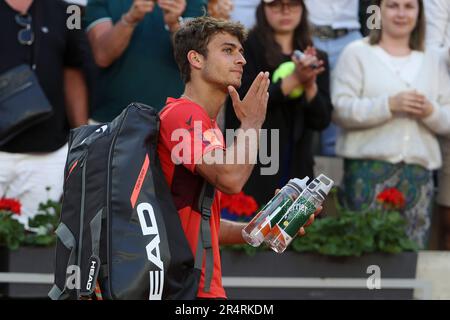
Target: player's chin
{"points": [[235, 83]]}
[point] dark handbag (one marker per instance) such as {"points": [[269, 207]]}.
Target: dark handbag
{"points": [[22, 102]]}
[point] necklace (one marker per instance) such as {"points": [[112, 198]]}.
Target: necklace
{"points": [[187, 97]]}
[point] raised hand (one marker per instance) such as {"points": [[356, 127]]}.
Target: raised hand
{"points": [[304, 70], [220, 9], [251, 111], [138, 10], [172, 10]]}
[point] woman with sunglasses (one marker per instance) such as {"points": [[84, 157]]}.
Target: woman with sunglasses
{"points": [[299, 101], [392, 99]]}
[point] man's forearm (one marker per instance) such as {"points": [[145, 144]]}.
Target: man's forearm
{"points": [[245, 151], [76, 97], [231, 232], [109, 44], [228, 170], [237, 161]]}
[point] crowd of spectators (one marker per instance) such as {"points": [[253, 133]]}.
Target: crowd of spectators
{"points": [[373, 84]]}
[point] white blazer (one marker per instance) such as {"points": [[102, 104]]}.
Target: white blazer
{"points": [[361, 85]]}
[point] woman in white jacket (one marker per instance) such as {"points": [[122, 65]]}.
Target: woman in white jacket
{"points": [[438, 36], [392, 98]]}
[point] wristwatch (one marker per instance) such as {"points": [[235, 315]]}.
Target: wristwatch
{"points": [[124, 20], [180, 22]]}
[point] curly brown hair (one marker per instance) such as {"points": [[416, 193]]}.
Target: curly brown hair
{"points": [[196, 34]]}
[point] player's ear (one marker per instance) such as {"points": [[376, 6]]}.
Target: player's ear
{"points": [[195, 59]]}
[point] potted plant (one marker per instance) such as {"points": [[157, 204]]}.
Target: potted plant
{"points": [[238, 207], [27, 250], [11, 230]]}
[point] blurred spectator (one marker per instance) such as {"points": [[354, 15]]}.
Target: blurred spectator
{"points": [[131, 41], [90, 69], [392, 99], [35, 159], [335, 23], [220, 9], [244, 11], [438, 36], [299, 100], [438, 26]]}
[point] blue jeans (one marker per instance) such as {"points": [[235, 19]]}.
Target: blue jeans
{"points": [[333, 48]]}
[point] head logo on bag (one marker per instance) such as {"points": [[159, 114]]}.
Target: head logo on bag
{"points": [[149, 227], [93, 272]]}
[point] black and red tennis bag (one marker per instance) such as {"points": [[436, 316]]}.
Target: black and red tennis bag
{"points": [[120, 236]]}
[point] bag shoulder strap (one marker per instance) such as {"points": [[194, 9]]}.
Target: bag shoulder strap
{"points": [[204, 247]]}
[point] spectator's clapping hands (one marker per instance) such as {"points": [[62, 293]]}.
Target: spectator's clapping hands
{"points": [[138, 10], [172, 10], [220, 9], [412, 103], [306, 74]]}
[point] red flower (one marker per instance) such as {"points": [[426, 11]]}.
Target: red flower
{"points": [[392, 198], [225, 201], [12, 205], [239, 204]]}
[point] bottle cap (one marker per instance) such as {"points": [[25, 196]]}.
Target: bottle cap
{"points": [[321, 185], [299, 184]]}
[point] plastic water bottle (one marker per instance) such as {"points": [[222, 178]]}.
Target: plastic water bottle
{"points": [[299, 213], [260, 226]]}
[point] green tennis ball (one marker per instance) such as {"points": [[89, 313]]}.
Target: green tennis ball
{"points": [[284, 70]]}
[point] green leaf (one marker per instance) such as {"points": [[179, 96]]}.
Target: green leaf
{"points": [[44, 224], [11, 231]]}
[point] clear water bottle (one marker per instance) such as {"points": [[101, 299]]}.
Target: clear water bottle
{"points": [[298, 214], [257, 229]]}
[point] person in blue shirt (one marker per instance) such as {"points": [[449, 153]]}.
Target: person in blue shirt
{"points": [[131, 43]]}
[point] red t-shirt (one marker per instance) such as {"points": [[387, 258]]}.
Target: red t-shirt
{"points": [[185, 135]]}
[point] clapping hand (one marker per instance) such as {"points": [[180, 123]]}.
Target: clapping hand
{"points": [[172, 10], [412, 103], [304, 69]]}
